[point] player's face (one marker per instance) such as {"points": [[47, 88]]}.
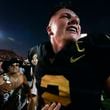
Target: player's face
{"points": [[65, 25]]}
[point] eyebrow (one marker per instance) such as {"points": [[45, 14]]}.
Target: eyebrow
{"points": [[68, 14]]}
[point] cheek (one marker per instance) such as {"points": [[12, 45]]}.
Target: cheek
{"points": [[11, 69], [79, 28], [63, 24], [61, 30], [34, 62], [54, 28], [58, 27]]}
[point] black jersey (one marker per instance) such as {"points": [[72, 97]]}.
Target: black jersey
{"points": [[75, 75]]}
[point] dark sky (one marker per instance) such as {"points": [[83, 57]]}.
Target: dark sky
{"points": [[23, 22]]}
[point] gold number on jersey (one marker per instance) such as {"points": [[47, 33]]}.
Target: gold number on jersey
{"points": [[63, 88]]}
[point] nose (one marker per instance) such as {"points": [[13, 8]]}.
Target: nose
{"points": [[73, 21]]}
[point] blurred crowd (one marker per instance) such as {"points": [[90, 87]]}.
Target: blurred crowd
{"points": [[17, 82]]}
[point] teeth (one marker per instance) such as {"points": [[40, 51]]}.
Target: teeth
{"points": [[72, 28]]}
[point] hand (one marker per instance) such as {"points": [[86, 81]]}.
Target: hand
{"points": [[53, 106], [6, 87]]}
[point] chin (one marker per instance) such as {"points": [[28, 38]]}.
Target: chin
{"points": [[75, 37]]}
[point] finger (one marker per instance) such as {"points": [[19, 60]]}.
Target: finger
{"points": [[45, 107], [58, 106], [52, 106]]}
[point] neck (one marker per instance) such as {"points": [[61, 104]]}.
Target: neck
{"points": [[57, 45]]}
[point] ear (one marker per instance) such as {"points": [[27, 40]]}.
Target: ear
{"points": [[49, 31]]}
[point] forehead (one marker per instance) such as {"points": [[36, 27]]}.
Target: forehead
{"points": [[65, 10], [34, 56], [14, 64]]}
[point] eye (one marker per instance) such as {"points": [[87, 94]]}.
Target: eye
{"points": [[66, 15]]}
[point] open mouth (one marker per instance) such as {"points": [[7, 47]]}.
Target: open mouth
{"points": [[72, 29]]}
